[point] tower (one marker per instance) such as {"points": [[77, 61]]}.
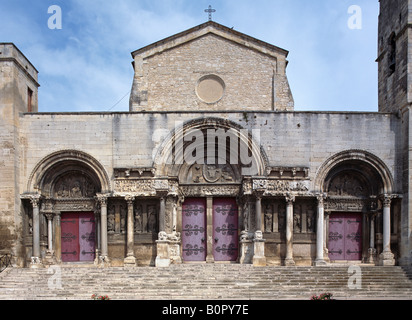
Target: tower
{"points": [[395, 96], [18, 93]]}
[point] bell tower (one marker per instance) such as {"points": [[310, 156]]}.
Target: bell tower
{"points": [[395, 96], [18, 94], [394, 44]]}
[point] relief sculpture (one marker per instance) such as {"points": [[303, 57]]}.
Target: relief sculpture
{"points": [[74, 186]]}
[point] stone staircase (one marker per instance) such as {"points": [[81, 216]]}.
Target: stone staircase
{"points": [[204, 282]]}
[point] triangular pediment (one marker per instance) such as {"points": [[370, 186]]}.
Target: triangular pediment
{"points": [[210, 27]]}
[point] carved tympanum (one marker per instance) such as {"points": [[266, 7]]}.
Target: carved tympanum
{"points": [[74, 185]]}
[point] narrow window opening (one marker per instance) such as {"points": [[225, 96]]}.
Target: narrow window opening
{"points": [[29, 100], [392, 53]]}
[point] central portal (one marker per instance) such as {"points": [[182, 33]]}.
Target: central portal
{"points": [[78, 236], [223, 230]]}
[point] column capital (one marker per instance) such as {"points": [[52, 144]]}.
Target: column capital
{"points": [[320, 198], [35, 200], [129, 199], [387, 200], [102, 199], [290, 198]]}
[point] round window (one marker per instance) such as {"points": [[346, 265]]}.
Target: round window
{"points": [[210, 89]]}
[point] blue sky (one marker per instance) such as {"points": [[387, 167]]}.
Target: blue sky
{"points": [[86, 65]]}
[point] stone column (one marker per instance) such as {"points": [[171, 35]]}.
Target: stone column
{"points": [[259, 259], [290, 199], [371, 250], [58, 237], [320, 226], [387, 257], [209, 229], [130, 259], [104, 254], [162, 243], [49, 217], [35, 259]]}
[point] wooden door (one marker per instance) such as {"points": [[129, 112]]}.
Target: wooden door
{"points": [[78, 236], [225, 229], [87, 236], [194, 230], [70, 237], [345, 236]]}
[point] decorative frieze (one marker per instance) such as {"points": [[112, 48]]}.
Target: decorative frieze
{"points": [[348, 204], [210, 190], [137, 187]]}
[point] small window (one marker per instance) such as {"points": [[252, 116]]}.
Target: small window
{"points": [[392, 53], [29, 100]]}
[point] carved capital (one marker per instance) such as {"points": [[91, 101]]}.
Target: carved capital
{"points": [[129, 199], [387, 200], [35, 200], [321, 197], [102, 199], [290, 199]]}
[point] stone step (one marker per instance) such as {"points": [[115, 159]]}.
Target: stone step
{"points": [[204, 282]]}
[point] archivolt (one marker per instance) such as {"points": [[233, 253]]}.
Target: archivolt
{"points": [[165, 163], [61, 162], [372, 163]]}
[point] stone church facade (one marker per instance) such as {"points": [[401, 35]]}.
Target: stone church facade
{"points": [[211, 164]]}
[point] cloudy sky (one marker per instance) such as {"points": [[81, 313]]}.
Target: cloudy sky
{"points": [[86, 65]]}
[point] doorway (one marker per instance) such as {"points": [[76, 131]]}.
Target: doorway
{"points": [[78, 237], [345, 236]]}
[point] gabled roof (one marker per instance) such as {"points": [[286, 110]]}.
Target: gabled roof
{"points": [[206, 28]]}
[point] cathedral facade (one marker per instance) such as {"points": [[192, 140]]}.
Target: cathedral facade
{"points": [[211, 164]]}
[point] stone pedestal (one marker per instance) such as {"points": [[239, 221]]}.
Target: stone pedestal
{"points": [[162, 258], [259, 259], [386, 258], [168, 249], [246, 248]]}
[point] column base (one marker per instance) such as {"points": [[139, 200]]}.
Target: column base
{"points": [[371, 255], [103, 262], [386, 259], [289, 262], [36, 263], [320, 263], [130, 261]]}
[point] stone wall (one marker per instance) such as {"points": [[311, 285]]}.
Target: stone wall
{"points": [[16, 76], [132, 140], [210, 69]]}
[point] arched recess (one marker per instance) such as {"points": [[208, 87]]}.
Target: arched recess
{"points": [[51, 170], [368, 168], [170, 160]]}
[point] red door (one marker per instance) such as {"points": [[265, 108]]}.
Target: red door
{"points": [[194, 230], [78, 237], [345, 236], [225, 229]]}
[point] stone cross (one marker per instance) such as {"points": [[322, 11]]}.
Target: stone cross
{"points": [[210, 11]]}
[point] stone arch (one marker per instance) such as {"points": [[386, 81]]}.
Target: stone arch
{"points": [[371, 170], [60, 164], [169, 161]]}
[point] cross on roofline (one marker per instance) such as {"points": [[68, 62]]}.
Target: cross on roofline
{"points": [[210, 10]]}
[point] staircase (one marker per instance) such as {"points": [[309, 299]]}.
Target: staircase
{"points": [[204, 282]]}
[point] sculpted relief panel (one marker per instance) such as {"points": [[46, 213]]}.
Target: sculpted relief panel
{"points": [[74, 185], [347, 185]]}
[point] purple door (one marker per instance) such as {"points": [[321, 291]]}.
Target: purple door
{"points": [[194, 230], [78, 236], [345, 236], [87, 237], [70, 237], [225, 229]]}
